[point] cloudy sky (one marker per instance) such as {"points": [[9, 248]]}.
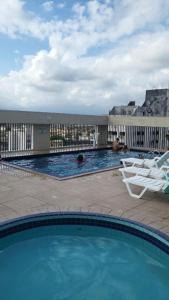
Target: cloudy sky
{"points": [[79, 56]]}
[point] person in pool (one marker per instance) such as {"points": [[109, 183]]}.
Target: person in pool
{"points": [[116, 146], [80, 158]]}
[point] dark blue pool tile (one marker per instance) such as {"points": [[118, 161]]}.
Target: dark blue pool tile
{"points": [[70, 220]]}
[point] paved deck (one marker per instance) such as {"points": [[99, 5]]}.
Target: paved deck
{"points": [[22, 194]]}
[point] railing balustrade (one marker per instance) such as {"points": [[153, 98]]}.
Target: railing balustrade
{"points": [[62, 135], [15, 138], [146, 137], [20, 138]]}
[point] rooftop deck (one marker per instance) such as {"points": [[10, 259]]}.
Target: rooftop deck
{"points": [[22, 194]]}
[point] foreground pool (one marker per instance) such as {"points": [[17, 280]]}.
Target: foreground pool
{"points": [[66, 165], [79, 256]]}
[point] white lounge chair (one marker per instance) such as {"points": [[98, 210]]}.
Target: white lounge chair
{"points": [[150, 184], [158, 171], [132, 161], [156, 162], [145, 172]]}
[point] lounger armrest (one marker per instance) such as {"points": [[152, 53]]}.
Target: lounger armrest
{"points": [[156, 158]]}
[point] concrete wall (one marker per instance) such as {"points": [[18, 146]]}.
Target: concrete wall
{"points": [[102, 135], [7, 116], [41, 137], [139, 121]]}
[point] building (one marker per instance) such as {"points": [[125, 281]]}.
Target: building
{"points": [[156, 104], [124, 109]]}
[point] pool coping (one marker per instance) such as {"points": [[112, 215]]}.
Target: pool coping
{"points": [[145, 232], [56, 177]]}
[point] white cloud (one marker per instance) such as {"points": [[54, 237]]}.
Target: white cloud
{"points": [[69, 78], [61, 5], [51, 5], [48, 5], [16, 21]]}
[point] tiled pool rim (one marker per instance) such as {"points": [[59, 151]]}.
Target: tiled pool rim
{"points": [[153, 236], [33, 172]]}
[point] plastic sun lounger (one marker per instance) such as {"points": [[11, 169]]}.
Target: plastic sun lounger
{"points": [[152, 172], [150, 184], [156, 162], [138, 162]]}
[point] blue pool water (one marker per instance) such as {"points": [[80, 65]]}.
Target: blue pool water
{"points": [[66, 165], [81, 263]]}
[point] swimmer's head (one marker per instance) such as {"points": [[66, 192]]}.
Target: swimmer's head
{"points": [[80, 157]]}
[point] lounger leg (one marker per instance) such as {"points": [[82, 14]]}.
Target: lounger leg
{"points": [[124, 164], [134, 195], [123, 174]]}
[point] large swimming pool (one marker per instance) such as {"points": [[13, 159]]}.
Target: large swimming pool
{"points": [[82, 257], [65, 165]]}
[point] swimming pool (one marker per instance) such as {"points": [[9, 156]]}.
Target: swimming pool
{"points": [[66, 165], [82, 256]]}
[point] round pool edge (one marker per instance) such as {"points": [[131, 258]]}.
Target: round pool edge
{"points": [[152, 235]]}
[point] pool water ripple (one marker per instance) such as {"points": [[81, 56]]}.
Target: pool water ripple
{"points": [[81, 262]]}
